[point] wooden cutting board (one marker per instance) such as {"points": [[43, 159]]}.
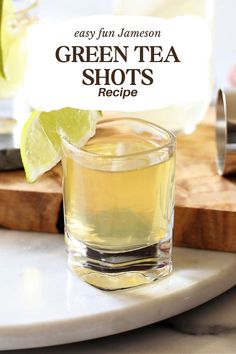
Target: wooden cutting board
{"points": [[205, 212]]}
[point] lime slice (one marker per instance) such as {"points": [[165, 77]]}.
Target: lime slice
{"points": [[41, 137]]}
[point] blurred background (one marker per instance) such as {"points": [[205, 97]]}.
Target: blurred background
{"points": [[180, 118], [224, 58]]}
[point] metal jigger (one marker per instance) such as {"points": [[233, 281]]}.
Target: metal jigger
{"points": [[226, 132]]}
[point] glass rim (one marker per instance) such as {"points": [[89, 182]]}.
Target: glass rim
{"points": [[84, 153], [28, 6]]}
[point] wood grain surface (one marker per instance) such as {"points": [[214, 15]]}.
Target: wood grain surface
{"points": [[205, 212], [35, 207]]}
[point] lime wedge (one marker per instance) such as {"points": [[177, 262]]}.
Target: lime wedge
{"points": [[40, 145]]}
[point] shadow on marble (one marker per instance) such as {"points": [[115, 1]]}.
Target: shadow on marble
{"points": [[154, 339], [214, 317]]}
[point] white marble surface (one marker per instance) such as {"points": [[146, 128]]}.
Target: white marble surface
{"points": [[42, 303], [213, 327]]}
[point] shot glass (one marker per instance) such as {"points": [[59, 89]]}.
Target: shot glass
{"points": [[118, 203], [17, 16]]}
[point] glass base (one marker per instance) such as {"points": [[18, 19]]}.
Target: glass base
{"points": [[120, 270], [13, 113], [7, 121]]}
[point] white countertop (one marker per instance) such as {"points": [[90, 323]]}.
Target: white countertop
{"points": [[38, 286], [42, 303], [212, 327]]}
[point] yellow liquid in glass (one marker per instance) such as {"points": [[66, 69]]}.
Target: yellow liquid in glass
{"points": [[118, 210]]}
